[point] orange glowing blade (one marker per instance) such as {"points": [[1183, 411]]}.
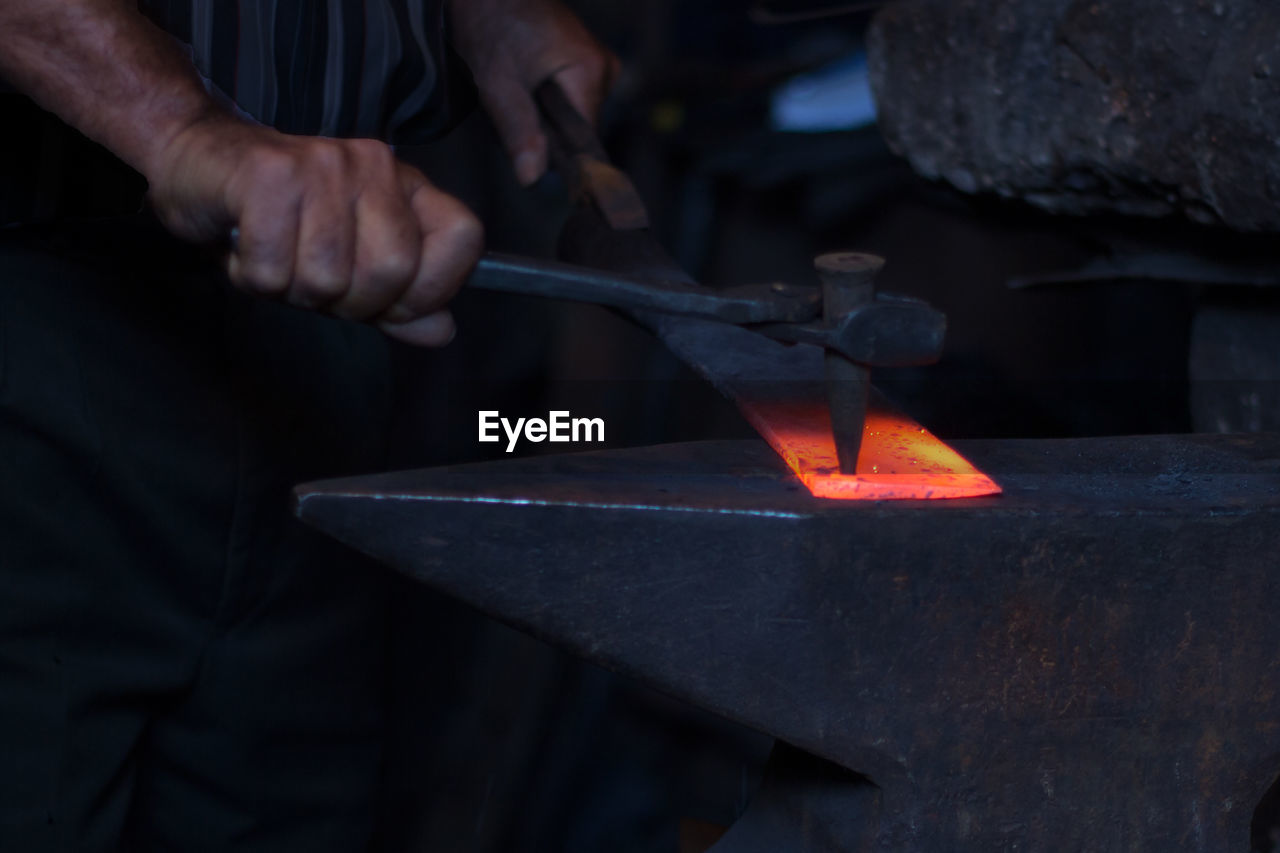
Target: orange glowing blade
{"points": [[899, 459]]}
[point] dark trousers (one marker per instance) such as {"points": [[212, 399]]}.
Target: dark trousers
{"points": [[182, 665]]}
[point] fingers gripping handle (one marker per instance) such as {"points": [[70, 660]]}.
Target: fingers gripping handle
{"points": [[577, 154]]}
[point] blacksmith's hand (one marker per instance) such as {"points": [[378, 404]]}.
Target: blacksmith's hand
{"points": [[339, 226], [512, 46]]}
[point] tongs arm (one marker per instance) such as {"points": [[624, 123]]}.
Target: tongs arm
{"points": [[752, 303]]}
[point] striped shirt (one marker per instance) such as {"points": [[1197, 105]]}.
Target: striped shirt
{"points": [[329, 67], [375, 68]]}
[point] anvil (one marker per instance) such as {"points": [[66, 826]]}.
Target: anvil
{"points": [[1087, 663]]}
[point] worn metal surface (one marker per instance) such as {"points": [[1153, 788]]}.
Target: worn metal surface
{"points": [[1086, 663]]}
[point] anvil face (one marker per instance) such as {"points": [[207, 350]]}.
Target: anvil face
{"points": [[1085, 663]]}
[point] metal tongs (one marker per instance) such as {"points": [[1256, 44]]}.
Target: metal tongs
{"points": [[857, 327], [883, 331]]}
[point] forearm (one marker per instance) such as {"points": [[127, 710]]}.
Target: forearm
{"points": [[106, 70]]}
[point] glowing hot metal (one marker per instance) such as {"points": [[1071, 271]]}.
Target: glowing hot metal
{"points": [[899, 459]]}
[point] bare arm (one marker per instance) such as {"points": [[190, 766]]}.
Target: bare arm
{"points": [[104, 69], [337, 225]]}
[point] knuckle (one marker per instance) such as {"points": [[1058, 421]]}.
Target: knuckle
{"points": [[364, 146], [596, 63], [466, 235], [326, 247], [272, 169], [262, 280], [328, 156], [396, 265], [317, 290], [411, 180], [374, 154], [461, 242]]}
